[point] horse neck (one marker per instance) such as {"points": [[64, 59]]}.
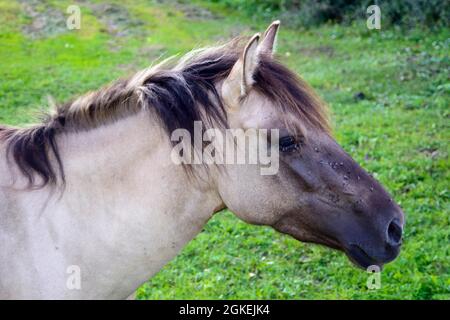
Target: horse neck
{"points": [[122, 192], [130, 159]]}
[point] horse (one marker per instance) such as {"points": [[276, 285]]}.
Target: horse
{"points": [[93, 205]]}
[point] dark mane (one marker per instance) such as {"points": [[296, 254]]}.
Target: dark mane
{"points": [[178, 96]]}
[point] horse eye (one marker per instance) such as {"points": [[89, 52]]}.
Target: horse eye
{"points": [[288, 144]]}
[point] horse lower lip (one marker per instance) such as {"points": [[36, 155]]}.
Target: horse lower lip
{"points": [[360, 257]]}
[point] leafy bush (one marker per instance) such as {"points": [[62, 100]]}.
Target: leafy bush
{"points": [[307, 13]]}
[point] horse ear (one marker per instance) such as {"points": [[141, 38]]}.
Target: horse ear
{"points": [[270, 38], [250, 60], [240, 79]]}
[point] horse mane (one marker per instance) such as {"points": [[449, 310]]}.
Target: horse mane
{"points": [[179, 94]]}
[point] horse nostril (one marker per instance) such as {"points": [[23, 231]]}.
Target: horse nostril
{"points": [[394, 233]]}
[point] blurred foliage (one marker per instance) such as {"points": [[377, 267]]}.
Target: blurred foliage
{"points": [[307, 13]]}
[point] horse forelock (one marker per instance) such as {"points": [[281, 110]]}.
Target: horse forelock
{"points": [[177, 93]]}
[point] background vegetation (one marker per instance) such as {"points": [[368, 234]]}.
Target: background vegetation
{"points": [[388, 91], [308, 13]]}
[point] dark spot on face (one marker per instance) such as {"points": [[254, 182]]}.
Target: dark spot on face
{"points": [[333, 165]]}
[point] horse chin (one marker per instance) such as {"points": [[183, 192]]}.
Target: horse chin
{"points": [[355, 253], [360, 258]]}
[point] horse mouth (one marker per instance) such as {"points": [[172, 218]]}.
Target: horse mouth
{"points": [[360, 258]]}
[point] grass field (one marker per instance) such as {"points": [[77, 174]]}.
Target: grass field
{"points": [[389, 95]]}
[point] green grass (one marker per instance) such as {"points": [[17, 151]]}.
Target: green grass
{"points": [[399, 131]]}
